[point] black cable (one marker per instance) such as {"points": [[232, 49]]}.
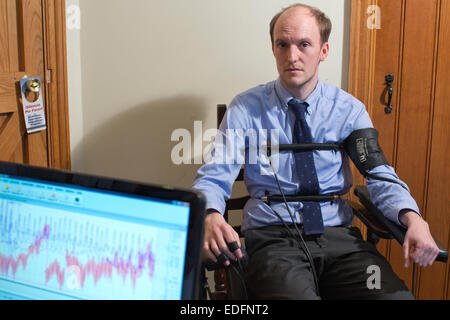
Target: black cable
{"points": [[239, 271], [302, 242], [206, 286], [384, 179]]}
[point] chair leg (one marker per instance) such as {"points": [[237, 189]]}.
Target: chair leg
{"points": [[204, 289]]}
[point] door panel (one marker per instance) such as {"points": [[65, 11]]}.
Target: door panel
{"points": [[387, 61], [21, 53], [412, 45], [438, 198], [414, 109], [11, 142]]}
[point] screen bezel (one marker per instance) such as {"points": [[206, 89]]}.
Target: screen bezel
{"points": [[195, 199]]}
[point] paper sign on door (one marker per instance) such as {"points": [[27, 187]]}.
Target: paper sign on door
{"points": [[33, 106]]}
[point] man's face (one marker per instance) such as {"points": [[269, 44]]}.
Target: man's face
{"points": [[298, 49]]}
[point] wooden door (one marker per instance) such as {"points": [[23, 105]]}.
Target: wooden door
{"points": [[410, 41], [21, 53]]}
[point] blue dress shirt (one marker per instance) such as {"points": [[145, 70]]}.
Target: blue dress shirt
{"points": [[332, 116]]}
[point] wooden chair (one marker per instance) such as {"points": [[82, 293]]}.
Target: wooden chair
{"points": [[228, 285]]}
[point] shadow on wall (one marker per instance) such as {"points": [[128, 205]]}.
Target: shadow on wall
{"points": [[136, 144]]}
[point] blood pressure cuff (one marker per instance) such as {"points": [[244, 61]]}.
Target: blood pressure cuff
{"points": [[363, 148]]}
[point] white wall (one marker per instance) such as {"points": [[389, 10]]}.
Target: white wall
{"points": [[140, 69], [73, 27]]}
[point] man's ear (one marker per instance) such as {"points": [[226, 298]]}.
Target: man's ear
{"points": [[324, 51]]}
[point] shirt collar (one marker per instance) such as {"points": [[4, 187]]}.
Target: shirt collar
{"points": [[282, 94], [285, 96]]}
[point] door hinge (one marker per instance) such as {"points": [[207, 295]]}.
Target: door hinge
{"points": [[48, 75]]}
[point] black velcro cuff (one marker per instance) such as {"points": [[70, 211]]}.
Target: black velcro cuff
{"points": [[363, 148]]}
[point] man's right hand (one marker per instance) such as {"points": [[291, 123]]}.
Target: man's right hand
{"points": [[218, 233]]}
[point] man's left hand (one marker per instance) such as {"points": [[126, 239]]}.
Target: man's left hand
{"points": [[418, 245]]}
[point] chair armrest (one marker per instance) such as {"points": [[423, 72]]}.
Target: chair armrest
{"points": [[236, 203], [397, 231], [371, 222]]}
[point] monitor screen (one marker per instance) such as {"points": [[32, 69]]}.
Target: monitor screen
{"points": [[60, 241]]}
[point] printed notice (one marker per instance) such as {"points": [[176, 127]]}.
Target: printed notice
{"points": [[34, 112]]}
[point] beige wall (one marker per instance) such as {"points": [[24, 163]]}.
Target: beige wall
{"points": [[140, 69]]}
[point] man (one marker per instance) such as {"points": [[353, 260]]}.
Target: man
{"points": [[279, 266]]}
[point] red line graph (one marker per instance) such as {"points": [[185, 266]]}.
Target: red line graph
{"points": [[103, 268], [10, 262]]}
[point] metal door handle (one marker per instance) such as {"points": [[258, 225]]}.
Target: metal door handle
{"points": [[389, 80], [33, 85]]}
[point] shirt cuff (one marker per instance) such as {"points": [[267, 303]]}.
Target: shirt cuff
{"points": [[404, 211], [212, 210]]}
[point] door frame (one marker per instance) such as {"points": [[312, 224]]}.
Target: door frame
{"points": [[361, 75], [362, 53], [56, 84]]}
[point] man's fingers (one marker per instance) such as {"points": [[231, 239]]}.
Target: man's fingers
{"points": [[216, 254], [419, 244], [435, 255], [231, 238], [210, 255], [416, 255], [222, 235], [424, 255], [235, 248], [213, 250], [406, 253], [230, 235], [224, 249], [431, 255], [218, 234]]}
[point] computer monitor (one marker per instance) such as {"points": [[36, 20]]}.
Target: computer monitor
{"points": [[65, 235]]}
